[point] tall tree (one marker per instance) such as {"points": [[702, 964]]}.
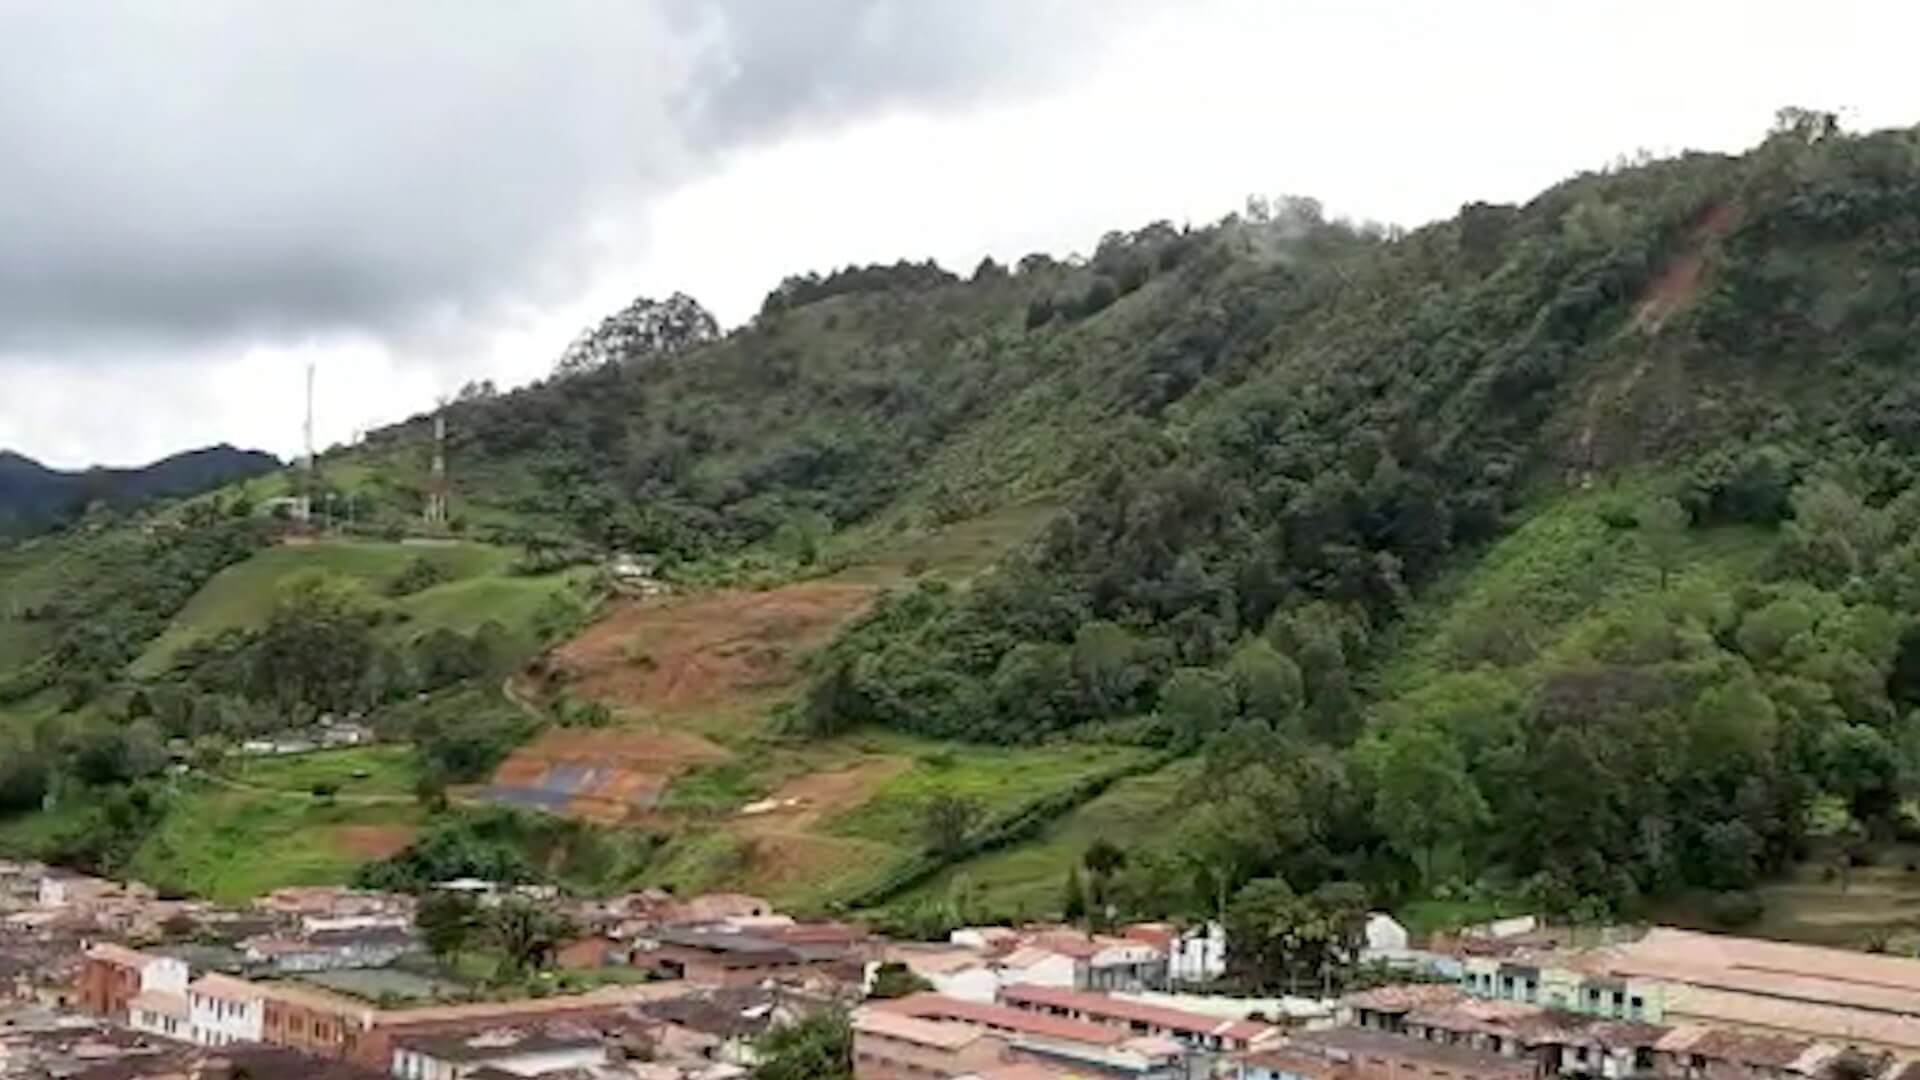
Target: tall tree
{"points": [[1425, 797], [1663, 531]]}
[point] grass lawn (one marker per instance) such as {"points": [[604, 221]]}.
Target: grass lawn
{"points": [[999, 778], [242, 596], [26, 836], [1029, 878], [463, 605], [388, 770], [717, 787], [231, 845]]}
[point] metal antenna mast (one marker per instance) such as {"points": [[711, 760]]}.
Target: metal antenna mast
{"points": [[437, 481], [306, 495]]}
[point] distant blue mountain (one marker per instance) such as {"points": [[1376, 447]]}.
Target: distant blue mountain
{"points": [[34, 497]]}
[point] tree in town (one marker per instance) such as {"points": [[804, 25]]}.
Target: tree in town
{"points": [[1073, 902], [448, 921], [896, 980], [526, 935], [817, 1047], [1281, 938]]}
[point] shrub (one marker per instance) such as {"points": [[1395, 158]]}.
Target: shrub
{"points": [[1736, 909]]}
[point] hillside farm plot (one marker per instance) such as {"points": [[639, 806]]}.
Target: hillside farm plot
{"points": [[231, 845], [358, 770], [242, 597], [601, 775], [1026, 878], [651, 658], [856, 814]]}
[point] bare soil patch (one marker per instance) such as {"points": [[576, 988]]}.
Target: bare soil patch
{"points": [[600, 774], [686, 653], [802, 802], [373, 841], [1680, 281]]}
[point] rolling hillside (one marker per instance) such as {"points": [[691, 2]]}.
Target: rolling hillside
{"points": [[1277, 548]]}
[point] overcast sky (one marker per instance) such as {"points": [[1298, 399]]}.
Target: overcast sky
{"points": [[198, 197]]}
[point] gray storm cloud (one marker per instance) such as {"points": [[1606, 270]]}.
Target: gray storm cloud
{"points": [[173, 174]]}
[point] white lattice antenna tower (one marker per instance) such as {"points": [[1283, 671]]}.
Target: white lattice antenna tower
{"points": [[436, 513]]}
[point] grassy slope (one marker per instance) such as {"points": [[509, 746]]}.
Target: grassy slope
{"points": [[388, 771], [1028, 878], [256, 826], [231, 844], [812, 865], [1563, 571], [478, 588]]}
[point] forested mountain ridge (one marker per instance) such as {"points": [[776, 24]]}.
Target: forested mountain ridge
{"points": [[1554, 552], [33, 496]]}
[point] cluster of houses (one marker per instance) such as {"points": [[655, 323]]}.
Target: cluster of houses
{"points": [[726, 968], [99, 993]]}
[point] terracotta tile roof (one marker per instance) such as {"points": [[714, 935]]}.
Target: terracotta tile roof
{"points": [[1710, 1006], [609, 997], [1474, 1014], [1748, 1048], [1833, 977], [1025, 1071], [939, 1034], [1404, 997], [938, 960], [1159, 935], [1102, 1005], [1371, 1043], [160, 1002], [119, 954], [1296, 1062], [318, 1000], [225, 987], [1066, 942], [1002, 1018]]}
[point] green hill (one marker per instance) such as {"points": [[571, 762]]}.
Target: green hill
{"points": [[1553, 554]]}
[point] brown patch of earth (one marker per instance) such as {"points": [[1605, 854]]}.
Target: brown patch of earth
{"points": [[373, 841], [789, 864], [600, 774], [801, 803], [1681, 279], [686, 653]]}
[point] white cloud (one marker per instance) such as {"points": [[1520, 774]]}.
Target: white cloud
{"points": [[1391, 111]]}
